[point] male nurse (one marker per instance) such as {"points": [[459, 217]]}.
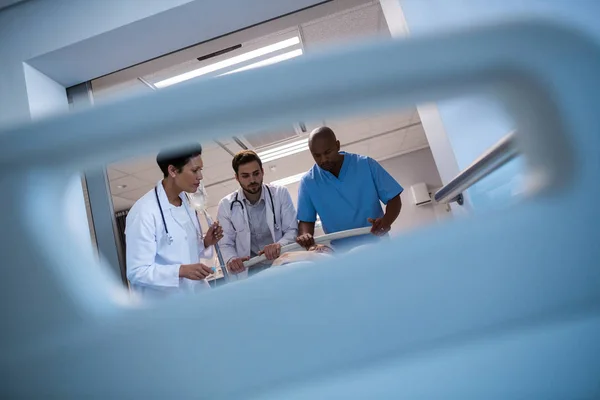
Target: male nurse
{"points": [[345, 190]]}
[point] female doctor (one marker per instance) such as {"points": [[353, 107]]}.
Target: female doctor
{"points": [[164, 242], [256, 219]]}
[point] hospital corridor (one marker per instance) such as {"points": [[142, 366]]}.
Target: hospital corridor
{"points": [[299, 199]]}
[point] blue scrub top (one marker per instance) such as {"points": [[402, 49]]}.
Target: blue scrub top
{"points": [[346, 202]]}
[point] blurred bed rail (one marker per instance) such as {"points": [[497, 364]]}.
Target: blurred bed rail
{"points": [[494, 158], [485, 307]]}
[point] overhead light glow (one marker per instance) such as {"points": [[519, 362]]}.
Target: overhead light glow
{"points": [[288, 180], [228, 62], [268, 61], [283, 150]]}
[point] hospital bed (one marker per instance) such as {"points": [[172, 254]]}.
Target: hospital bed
{"points": [[323, 239], [501, 306]]}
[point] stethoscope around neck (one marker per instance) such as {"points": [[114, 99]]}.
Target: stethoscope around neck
{"points": [[236, 200], [162, 215]]}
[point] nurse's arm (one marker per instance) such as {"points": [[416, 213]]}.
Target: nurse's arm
{"points": [[392, 210], [384, 224], [306, 231], [306, 212]]}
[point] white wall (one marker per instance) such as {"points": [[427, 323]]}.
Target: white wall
{"points": [[409, 169], [472, 124], [46, 97]]}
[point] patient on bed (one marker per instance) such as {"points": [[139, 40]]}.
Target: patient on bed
{"points": [[314, 253]]}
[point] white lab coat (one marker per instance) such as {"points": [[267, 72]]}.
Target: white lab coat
{"points": [[152, 263], [236, 229]]}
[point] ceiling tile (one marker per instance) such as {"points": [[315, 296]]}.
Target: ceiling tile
{"points": [[343, 27], [132, 166], [416, 118], [415, 138], [152, 175], [120, 204], [390, 121], [361, 148], [288, 166], [217, 192], [351, 130], [231, 187], [217, 172], [126, 184], [387, 145], [136, 194], [114, 174], [215, 156]]}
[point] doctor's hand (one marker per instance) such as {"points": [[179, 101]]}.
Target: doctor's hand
{"points": [[236, 265], [213, 235], [380, 226], [271, 251], [305, 240], [195, 272]]}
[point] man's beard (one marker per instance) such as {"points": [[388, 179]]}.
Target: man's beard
{"points": [[253, 189]]}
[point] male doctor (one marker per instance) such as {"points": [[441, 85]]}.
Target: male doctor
{"points": [[256, 219], [164, 242]]}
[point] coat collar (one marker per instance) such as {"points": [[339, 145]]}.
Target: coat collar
{"points": [[168, 207], [164, 200], [242, 195]]}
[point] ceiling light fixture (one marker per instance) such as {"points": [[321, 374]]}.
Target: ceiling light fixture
{"points": [[288, 180], [283, 150], [268, 61], [228, 62]]}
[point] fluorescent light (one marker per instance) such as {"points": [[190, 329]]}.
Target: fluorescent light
{"points": [[228, 62], [285, 154], [299, 146], [283, 150], [268, 61], [283, 147], [289, 180]]}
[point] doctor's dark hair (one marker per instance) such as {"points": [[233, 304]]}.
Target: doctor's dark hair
{"points": [[245, 157], [177, 157]]}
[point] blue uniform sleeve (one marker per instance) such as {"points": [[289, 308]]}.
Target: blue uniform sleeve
{"points": [[387, 187], [306, 208]]}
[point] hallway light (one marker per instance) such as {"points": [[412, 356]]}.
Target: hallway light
{"points": [[268, 61], [283, 150], [288, 180], [228, 62]]}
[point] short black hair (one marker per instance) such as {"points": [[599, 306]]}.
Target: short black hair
{"points": [[177, 157], [245, 157]]}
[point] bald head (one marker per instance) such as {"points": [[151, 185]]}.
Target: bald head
{"points": [[325, 149], [321, 133]]}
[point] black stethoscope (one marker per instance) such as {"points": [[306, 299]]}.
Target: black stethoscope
{"points": [[162, 215], [236, 200]]}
